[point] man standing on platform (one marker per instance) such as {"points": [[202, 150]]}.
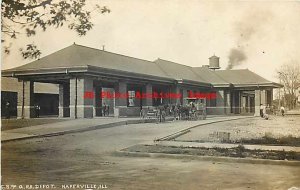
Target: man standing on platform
{"points": [[261, 110]]}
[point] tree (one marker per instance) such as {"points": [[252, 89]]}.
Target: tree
{"points": [[289, 75], [27, 17]]}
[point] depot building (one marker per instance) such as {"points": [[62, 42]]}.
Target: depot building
{"points": [[77, 69]]}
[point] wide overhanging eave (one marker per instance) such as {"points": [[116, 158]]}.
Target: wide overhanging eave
{"points": [[268, 84], [42, 71], [194, 83]]}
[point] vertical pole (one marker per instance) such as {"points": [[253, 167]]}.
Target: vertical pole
{"points": [[23, 98], [240, 102], [75, 98], [257, 99]]}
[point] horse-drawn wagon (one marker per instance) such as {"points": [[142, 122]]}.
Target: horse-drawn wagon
{"points": [[196, 108], [158, 113]]}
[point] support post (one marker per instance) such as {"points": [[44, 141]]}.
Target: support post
{"points": [[228, 103], [184, 95], [80, 106], [263, 97], [120, 102], [25, 100], [64, 100], [148, 90], [257, 102], [175, 90], [220, 102], [97, 101], [248, 104]]}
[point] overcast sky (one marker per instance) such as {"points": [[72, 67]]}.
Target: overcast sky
{"points": [[187, 32]]}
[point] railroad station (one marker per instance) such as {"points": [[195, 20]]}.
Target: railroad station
{"points": [[77, 69]]}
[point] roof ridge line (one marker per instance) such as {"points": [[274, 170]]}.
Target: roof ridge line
{"points": [[191, 68], [161, 69], [112, 52], [221, 78], [173, 62], [214, 73], [187, 66]]}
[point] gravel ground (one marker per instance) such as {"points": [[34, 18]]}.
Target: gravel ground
{"points": [[252, 128]]}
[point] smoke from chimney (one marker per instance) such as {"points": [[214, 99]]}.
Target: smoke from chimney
{"points": [[236, 57], [250, 27]]}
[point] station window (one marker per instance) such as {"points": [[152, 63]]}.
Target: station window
{"points": [[131, 98]]}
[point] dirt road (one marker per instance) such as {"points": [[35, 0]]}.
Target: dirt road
{"points": [[86, 158]]}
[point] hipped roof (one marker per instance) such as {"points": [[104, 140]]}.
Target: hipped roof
{"points": [[75, 56]]}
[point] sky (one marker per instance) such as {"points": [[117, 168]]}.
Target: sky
{"points": [[255, 35]]}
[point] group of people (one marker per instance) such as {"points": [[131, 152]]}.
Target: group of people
{"points": [[266, 110], [263, 110], [185, 112]]}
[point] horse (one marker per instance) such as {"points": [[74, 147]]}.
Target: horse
{"points": [[184, 112], [161, 114]]}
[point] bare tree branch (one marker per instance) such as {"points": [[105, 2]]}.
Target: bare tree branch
{"points": [[289, 73]]}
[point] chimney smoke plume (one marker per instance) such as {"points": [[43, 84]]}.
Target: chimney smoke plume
{"points": [[236, 57], [249, 28]]}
